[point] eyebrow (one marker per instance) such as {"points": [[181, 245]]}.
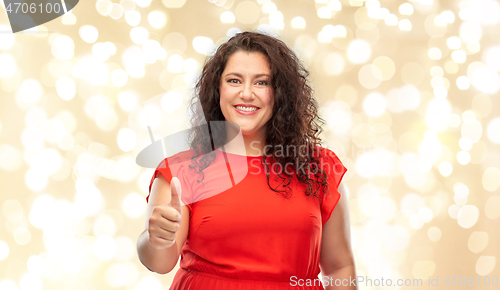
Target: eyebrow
{"points": [[239, 75]]}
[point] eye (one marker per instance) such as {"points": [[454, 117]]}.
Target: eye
{"points": [[233, 81], [262, 83]]}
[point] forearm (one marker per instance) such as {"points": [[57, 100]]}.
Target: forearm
{"points": [[344, 277], [159, 261]]}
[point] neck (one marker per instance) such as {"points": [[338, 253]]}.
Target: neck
{"points": [[249, 145]]}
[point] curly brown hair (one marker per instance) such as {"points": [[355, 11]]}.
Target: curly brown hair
{"points": [[295, 120]]}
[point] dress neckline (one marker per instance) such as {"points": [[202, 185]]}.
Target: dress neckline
{"points": [[239, 155]]}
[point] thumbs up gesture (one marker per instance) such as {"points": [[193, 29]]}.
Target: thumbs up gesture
{"points": [[165, 219]]}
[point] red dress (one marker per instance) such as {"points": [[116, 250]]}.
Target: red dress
{"points": [[247, 236]]}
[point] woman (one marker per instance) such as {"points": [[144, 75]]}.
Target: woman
{"points": [[251, 235]]}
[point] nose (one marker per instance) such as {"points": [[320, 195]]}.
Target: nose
{"points": [[247, 91]]}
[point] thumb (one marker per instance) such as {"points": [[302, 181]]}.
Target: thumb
{"points": [[176, 191]]}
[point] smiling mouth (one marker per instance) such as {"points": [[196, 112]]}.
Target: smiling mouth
{"points": [[247, 109]]}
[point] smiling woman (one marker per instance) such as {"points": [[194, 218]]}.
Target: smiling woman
{"points": [[253, 234]]}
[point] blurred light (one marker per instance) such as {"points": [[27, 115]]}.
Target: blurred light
{"points": [[491, 179], [324, 12], [425, 164], [4, 250], [468, 216], [66, 88], [493, 130], [126, 249], [374, 104], [115, 11], [447, 16], [358, 51], [485, 265], [465, 143], [426, 214], [101, 51], [269, 7], [10, 158], [143, 3], [405, 25], [458, 56], [90, 69], [119, 78], [423, 269], [227, 17], [386, 66], [105, 248], [63, 47], [440, 92], [134, 60], [133, 205], [470, 31], [104, 225], [472, 129], [102, 7], [190, 65], [175, 63], [491, 207], [434, 234], [445, 168], [203, 45], [333, 63], [151, 116], [126, 139], [299, 22], [139, 35], [149, 283], [437, 114], [127, 101], [391, 20], [171, 101], [88, 33], [453, 211], [463, 157], [121, 274], [133, 18], [157, 19], [478, 241], [335, 5], [30, 282], [463, 83], [454, 42], [406, 9], [473, 46], [435, 53], [247, 12], [8, 65], [492, 57], [6, 39], [232, 32], [173, 3], [454, 120], [30, 92]]}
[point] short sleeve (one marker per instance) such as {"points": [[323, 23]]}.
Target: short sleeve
{"points": [[335, 171], [179, 163]]}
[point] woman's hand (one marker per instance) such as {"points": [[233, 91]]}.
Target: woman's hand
{"points": [[165, 219]]}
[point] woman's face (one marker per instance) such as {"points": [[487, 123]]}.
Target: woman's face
{"points": [[246, 81]]}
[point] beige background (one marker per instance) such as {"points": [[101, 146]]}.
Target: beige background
{"points": [[411, 107]]}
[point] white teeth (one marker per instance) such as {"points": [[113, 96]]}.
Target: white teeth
{"points": [[248, 109]]}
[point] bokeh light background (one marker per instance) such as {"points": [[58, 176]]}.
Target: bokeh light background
{"points": [[410, 91]]}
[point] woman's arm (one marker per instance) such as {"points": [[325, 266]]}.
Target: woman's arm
{"points": [[336, 260], [164, 260]]}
